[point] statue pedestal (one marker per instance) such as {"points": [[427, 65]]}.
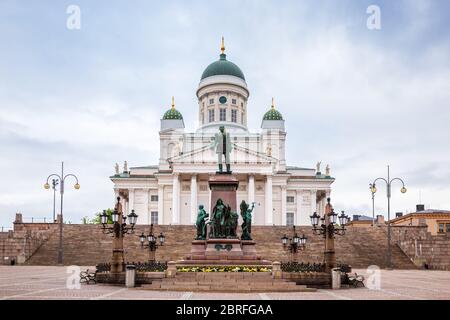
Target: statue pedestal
{"points": [[223, 251], [223, 186]]}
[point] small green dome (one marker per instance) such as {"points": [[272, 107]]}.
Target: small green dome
{"points": [[223, 67], [273, 114], [172, 113]]}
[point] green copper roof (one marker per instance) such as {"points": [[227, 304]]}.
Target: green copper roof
{"points": [[223, 67], [273, 114], [172, 114]]}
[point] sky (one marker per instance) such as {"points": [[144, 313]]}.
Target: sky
{"points": [[356, 98]]}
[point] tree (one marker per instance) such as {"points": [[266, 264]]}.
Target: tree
{"points": [[97, 219]]}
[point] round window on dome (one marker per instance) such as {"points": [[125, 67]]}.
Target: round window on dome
{"points": [[223, 99]]}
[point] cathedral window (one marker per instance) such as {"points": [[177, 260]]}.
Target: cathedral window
{"points": [[233, 101], [223, 115], [289, 218], [242, 118], [211, 101], [211, 115], [233, 116], [154, 217], [154, 198], [290, 199]]}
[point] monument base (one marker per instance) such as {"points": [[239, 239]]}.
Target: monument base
{"points": [[223, 252]]}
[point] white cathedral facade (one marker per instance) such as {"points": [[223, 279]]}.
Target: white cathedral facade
{"points": [[171, 191]]}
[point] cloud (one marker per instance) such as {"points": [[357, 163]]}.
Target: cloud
{"points": [[353, 98]]}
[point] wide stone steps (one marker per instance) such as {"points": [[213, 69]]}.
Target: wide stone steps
{"points": [[87, 245]]}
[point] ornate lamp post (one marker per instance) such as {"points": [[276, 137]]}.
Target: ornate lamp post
{"points": [[328, 228], [151, 243], [373, 189], [118, 229], [294, 244], [62, 179]]}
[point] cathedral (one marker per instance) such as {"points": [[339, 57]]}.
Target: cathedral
{"points": [[171, 191]]}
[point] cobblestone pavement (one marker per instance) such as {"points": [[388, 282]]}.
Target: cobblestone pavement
{"points": [[29, 282]]}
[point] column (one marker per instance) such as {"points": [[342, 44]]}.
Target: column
{"points": [[283, 205], [175, 199], [251, 189], [116, 194], [298, 207], [146, 205], [160, 204], [313, 201], [194, 198], [130, 200], [268, 201]]}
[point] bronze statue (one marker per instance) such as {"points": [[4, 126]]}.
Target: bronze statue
{"points": [[223, 221], [222, 143], [201, 223], [246, 214]]}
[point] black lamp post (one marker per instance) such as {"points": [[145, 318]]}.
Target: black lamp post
{"points": [[62, 179], [294, 244], [55, 182], [327, 227], [119, 228], [373, 189], [151, 242]]}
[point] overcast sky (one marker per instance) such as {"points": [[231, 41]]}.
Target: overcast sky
{"points": [[355, 98]]}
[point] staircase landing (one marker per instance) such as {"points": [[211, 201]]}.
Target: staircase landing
{"points": [[226, 282]]}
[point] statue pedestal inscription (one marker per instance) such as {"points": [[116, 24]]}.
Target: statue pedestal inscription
{"points": [[223, 186]]}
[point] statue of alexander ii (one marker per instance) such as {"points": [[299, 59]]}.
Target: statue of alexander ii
{"points": [[222, 143]]}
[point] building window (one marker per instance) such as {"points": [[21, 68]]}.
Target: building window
{"points": [[448, 228], [290, 199], [223, 115], [203, 104], [211, 115], [242, 118], [211, 101], [233, 101], [154, 198], [154, 217], [242, 104], [233, 116], [289, 218], [441, 227]]}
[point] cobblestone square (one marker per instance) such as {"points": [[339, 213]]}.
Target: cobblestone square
{"points": [[37, 283]]}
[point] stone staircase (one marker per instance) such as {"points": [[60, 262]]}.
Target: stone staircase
{"points": [[226, 282], [86, 245]]}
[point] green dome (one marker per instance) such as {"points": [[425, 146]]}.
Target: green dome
{"points": [[273, 114], [172, 114], [223, 67]]}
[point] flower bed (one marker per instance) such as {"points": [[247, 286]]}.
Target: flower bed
{"points": [[225, 269]]}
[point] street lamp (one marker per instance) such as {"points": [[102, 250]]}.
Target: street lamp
{"points": [[327, 227], [151, 243], [55, 182], [294, 244], [62, 180], [373, 188], [118, 230], [120, 226]]}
